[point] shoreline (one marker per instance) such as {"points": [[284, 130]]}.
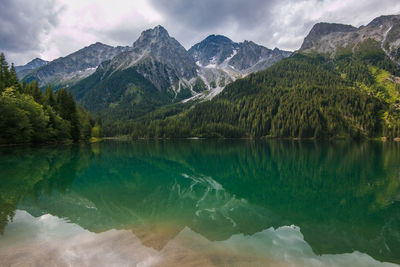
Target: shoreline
{"points": [[127, 138]]}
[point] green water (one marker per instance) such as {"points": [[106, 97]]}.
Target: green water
{"points": [[201, 202]]}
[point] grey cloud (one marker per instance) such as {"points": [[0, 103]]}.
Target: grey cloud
{"points": [[298, 22], [124, 35], [193, 20], [282, 23], [208, 14], [23, 24]]}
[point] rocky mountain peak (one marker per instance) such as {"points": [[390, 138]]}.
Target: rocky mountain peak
{"points": [[322, 29], [98, 44], [157, 56], [75, 66], [152, 35], [159, 45], [37, 60], [213, 50], [382, 34], [250, 44], [249, 54], [217, 39], [221, 61], [160, 30], [156, 41], [33, 64], [247, 42], [383, 20]]}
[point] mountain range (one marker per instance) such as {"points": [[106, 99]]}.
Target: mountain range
{"points": [[342, 83], [24, 70], [381, 34], [66, 70], [221, 61], [158, 78], [202, 71]]}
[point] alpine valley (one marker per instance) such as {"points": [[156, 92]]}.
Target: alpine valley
{"points": [[342, 83], [218, 153]]}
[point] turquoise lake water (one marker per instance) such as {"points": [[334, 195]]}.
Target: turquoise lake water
{"points": [[201, 202]]}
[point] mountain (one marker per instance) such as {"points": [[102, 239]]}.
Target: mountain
{"points": [[241, 58], [303, 96], [34, 64], [158, 44], [157, 70], [67, 70], [221, 61], [322, 29], [158, 57], [344, 82], [379, 38], [213, 49], [149, 74]]}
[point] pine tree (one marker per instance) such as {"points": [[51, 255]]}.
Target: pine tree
{"points": [[49, 96], [29, 115], [14, 79], [4, 73]]}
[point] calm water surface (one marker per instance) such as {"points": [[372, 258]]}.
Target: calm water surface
{"points": [[201, 202]]}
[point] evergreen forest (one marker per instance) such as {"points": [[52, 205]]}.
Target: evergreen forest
{"points": [[30, 115], [304, 96]]}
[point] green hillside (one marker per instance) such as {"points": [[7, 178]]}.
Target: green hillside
{"points": [[304, 96], [120, 95]]}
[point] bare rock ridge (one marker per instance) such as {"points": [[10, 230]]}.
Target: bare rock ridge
{"points": [[221, 61], [322, 29], [34, 64], [381, 34], [203, 71], [240, 57], [24, 70], [167, 50], [158, 57], [214, 48], [74, 67]]}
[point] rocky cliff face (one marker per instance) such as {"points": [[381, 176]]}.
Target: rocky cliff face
{"points": [[34, 64], [177, 74], [158, 44], [252, 57], [24, 70], [383, 33], [74, 67], [221, 61], [215, 49], [156, 70], [158, 57], [322, 29], [203, 71]]}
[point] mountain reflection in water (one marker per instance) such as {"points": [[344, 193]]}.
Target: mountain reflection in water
{"points": [[255, 202]]}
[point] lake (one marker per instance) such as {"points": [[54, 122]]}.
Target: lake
{"points": [[202, 203]]}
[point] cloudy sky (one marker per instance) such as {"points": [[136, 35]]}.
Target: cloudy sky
{"points": [[52, 28]]}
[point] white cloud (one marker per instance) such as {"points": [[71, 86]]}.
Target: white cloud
{"points": [[82, 23], [54, 28], [294, 19], [23, 25]]}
